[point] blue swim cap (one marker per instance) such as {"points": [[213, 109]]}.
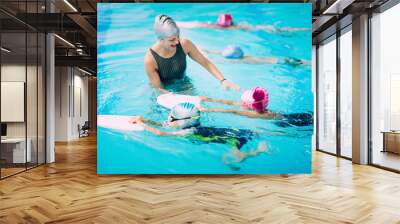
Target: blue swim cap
{"points": [[233, 52], [186, 114]]}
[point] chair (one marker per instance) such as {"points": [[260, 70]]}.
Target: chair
{"points": [[84, 130]]}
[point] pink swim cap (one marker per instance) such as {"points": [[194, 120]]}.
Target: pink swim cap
{"points": [[225, 20], [256, 99]]}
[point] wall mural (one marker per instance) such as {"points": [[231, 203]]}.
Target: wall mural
{"points": [[197, 88]]}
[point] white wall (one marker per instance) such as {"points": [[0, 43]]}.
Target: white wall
{"points": [[16, 72], [62, 81], [79, 112], [71, 102], [33, 127], [11, 73]]}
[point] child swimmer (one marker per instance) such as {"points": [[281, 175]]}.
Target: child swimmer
{"points": [[184, 120]]}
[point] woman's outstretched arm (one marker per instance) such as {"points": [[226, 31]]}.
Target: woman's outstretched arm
{"points": [[197, 56]]}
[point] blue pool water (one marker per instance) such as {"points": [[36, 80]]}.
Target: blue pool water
{"points": [[125, 33]]}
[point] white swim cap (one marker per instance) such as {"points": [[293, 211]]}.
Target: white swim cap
{"points": [[165, 26], [186, 115]]}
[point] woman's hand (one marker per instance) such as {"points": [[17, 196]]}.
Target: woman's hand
{"points": [[228, 85]]}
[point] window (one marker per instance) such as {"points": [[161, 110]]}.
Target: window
{"points": [[385, 89], [327, 96], [346, 93], [22, 77]]}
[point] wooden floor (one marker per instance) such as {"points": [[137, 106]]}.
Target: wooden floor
{"points": [[10, 171], [5, 172], [69, 191]]}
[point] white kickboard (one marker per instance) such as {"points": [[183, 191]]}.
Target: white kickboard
{"points": [[120, 123], [169, 100]]}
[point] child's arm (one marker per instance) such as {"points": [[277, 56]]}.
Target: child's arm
{"points": [[155, 123], [142, 121], [256, 60], [227, 102], [252, 114], [159, 132]]}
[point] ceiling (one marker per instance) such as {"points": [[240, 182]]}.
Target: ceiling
{"points": [[331, 15], [75, 21]]}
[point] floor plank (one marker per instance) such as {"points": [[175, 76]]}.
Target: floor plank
{"points": [[70, 191]]}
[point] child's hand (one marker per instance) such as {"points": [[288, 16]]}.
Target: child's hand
{"points": [[137, 120], [203, 98]]}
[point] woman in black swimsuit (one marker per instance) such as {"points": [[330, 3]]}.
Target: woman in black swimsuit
{"points": [[166, 59]]}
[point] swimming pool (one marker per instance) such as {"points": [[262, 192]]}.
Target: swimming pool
{"points": [[125, 33]]}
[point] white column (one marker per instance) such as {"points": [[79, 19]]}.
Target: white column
{"points": [[50, 92], [50, 100]]}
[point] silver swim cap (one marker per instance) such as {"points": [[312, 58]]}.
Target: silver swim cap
{"points": [[186, 115], [165, 26]]}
